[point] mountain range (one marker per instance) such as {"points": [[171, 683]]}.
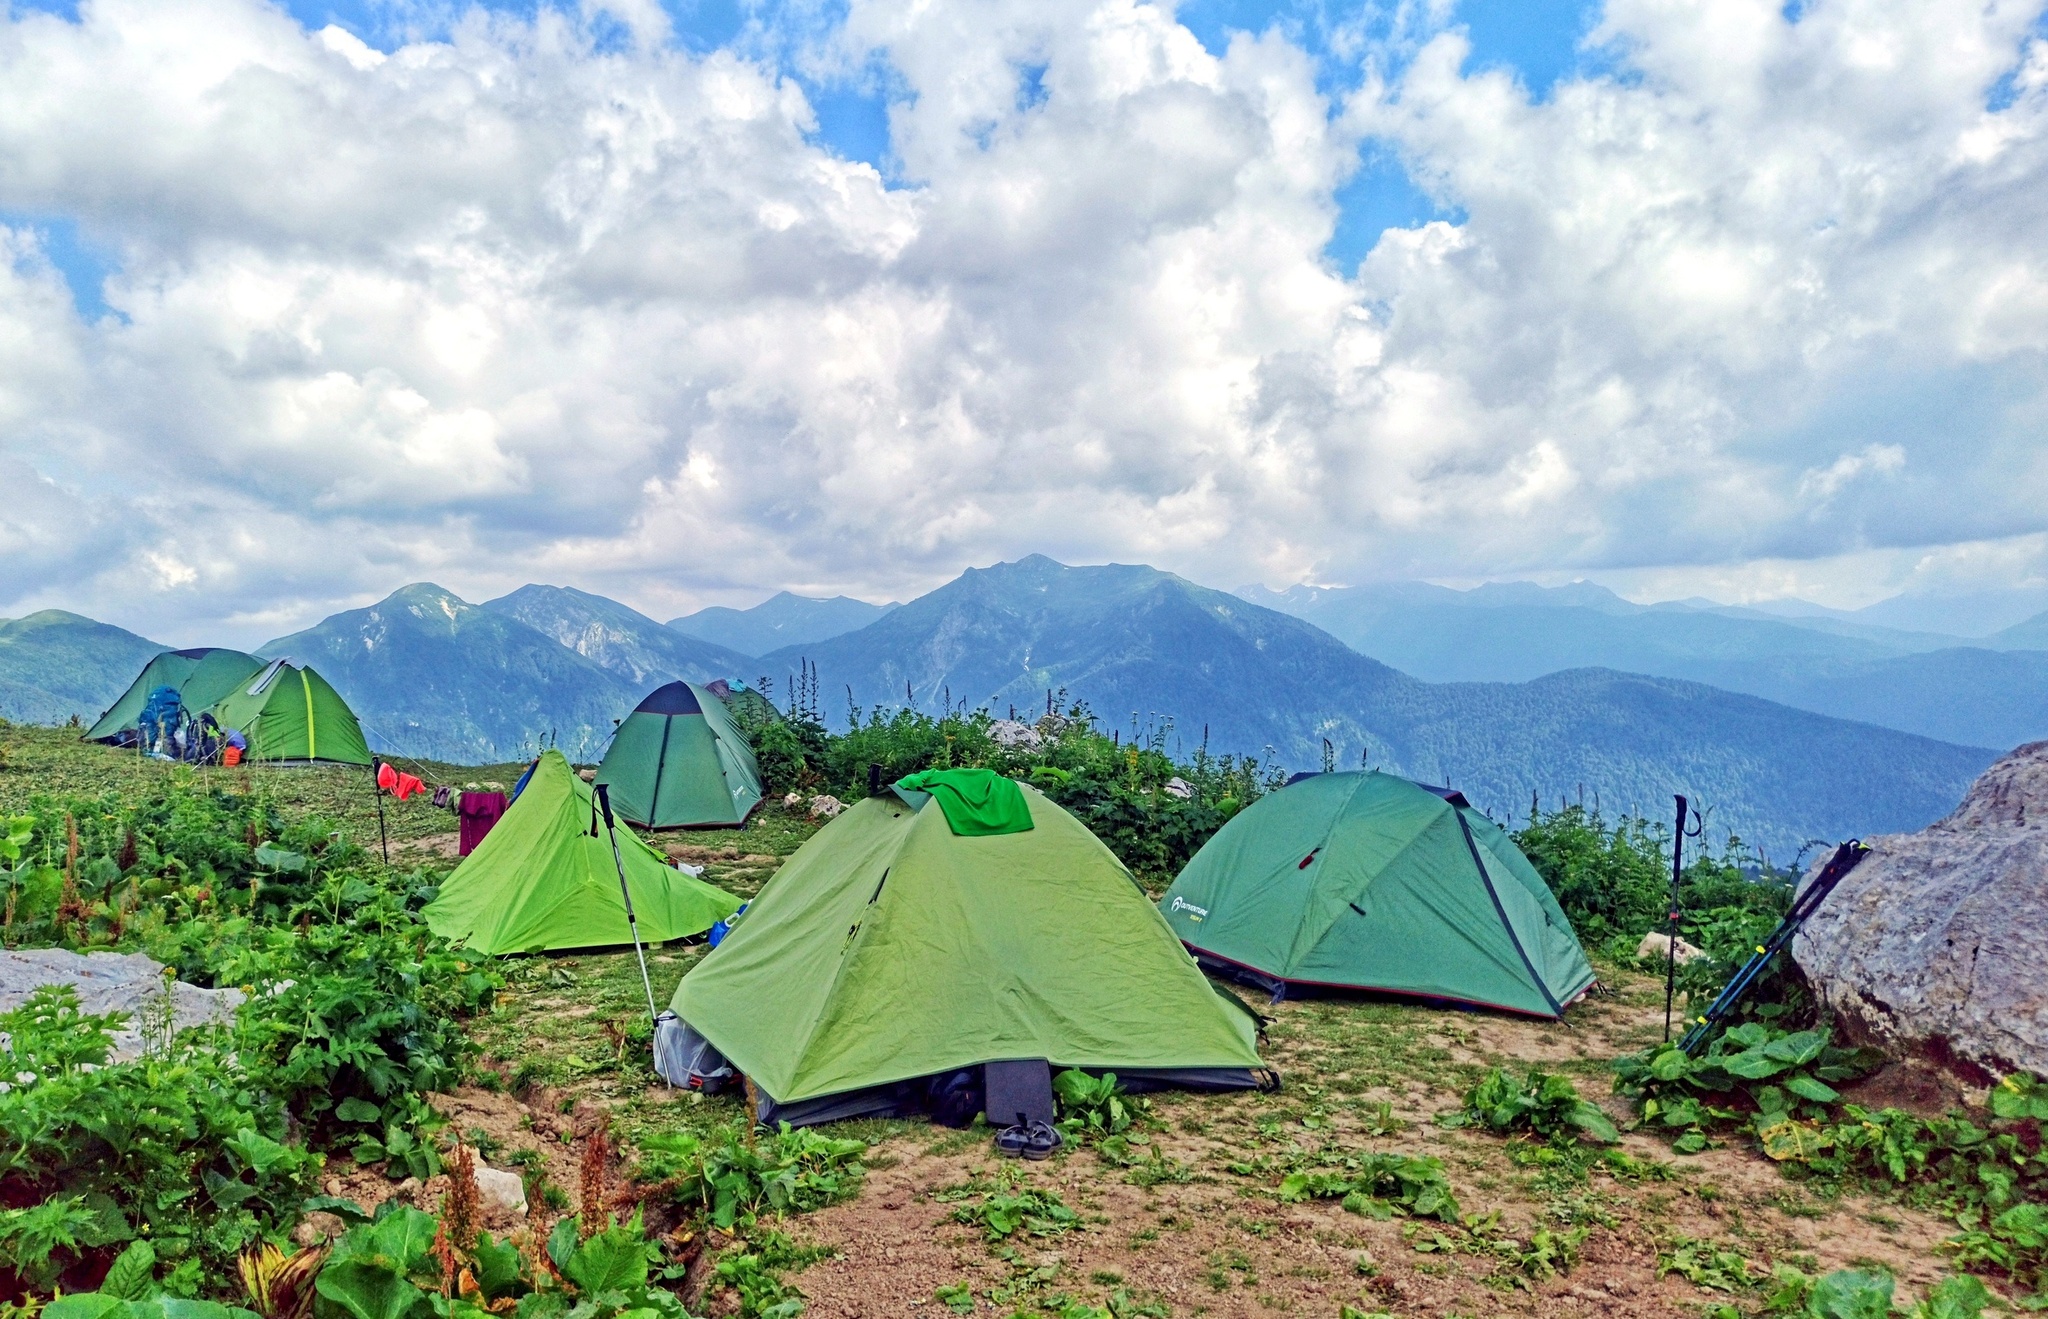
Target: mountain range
{"points": [[1990, 691], [1505, 691]]}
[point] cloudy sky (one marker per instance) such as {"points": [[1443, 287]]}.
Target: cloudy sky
{"points": [[689, 302]]}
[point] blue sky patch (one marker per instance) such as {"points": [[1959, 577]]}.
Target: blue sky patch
{"points": [[84, 264]]}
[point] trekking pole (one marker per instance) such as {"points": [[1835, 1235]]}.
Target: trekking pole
{"points": [[383, 836], [1671, 919], [604, 802]]}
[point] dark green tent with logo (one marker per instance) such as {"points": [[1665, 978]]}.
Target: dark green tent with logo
{"points": [[544, 879], [1367, 881], [291, 715], [680, 760], [200, 676], [891, 949]]}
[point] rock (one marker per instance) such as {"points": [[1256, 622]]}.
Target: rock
{"points": [[1178, 787], [824, 807], [1659, 946], [332, 1186], [114, 982], [500, 1189], [1018, 737], [406, 1187], [1935, 943]]}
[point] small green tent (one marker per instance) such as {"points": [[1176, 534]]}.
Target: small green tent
{"points": [[890, 949], [544, 879], [200, 677], [291, 714], [679, 759], [1368, 881]]}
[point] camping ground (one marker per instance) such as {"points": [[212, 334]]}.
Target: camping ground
{"points": [[1185, 1213]]}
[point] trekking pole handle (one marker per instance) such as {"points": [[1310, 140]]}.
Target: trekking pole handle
{"points": [[604, 803]]}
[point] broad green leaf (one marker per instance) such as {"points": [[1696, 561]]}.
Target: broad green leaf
{"points": [[1793, 1142], [1807, 1087], [1669, 1064], [1958, 1297], [86, 1305], [1588, 1117], [1851, 1294], [1754, 1064], [1798, 1048], [132, 1274], [613, 1260], [498, 1268], [370, 1291], [258, 1152], [357, 1110]]}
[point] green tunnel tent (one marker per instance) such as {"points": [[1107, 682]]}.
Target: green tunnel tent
{"points": [[291, 715], [544, 879], [889, 951], [200, 676], [679, 760], [1363, 880]]}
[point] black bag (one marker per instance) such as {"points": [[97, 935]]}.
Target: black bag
{"points": [[956, 1097]]}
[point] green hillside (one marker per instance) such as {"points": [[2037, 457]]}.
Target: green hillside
{"points": [[55, 664]]}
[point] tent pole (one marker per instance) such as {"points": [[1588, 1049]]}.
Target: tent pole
{"points": [[1671, 921], [604, 802]]}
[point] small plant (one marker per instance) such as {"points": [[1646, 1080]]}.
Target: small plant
{"points": [[1704, 1264], [1025, 1209], [1378, 1186], [1092, 1108], [1547, 1105], [731, 1184], [1777, 1075]]}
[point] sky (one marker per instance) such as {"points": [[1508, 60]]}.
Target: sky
{"points": [[689, 301]]}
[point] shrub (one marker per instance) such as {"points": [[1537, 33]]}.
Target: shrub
{"points": [[1546, 1105]]}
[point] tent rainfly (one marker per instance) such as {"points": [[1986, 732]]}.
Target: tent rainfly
{"points": [[291, 715], [1363, 880], [680, 760], [891, 950], [200, 677], [544, 879]]}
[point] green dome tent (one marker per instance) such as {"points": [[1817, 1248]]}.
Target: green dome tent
{"points": [[890, 949], [678, 760], [200, 677], [544, 879], [291, 714], [1368, 881]]}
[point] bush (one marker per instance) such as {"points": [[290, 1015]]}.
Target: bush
{"points": [[1546, 1105]]}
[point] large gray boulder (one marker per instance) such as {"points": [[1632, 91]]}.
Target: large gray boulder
{"points": [[114, 982], [1938, 943]]}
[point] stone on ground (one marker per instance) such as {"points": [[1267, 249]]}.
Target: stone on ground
{"points": [[1938, 942], [113, 982]]}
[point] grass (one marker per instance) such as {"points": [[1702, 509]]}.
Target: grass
{"points": [[1361, 1076]]}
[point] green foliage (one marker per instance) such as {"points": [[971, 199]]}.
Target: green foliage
{"points": [[754, 1275], [1705, 1264], [1031, 1210], [390, 1269], [1376, 1185], [792, 1171], [1547, 1105], [1752, 1072], [1092, 1107], [182, 1144]]}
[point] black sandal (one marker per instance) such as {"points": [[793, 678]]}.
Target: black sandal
{"points": [[1012, 1141], [1041, 1140]]}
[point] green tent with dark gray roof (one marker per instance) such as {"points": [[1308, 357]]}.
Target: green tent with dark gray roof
{"points": [[679, 760], [893, 948], [544, 878], [200, 676], [1362, 880]]}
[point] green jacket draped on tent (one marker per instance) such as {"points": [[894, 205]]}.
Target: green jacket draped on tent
{"points": [[544, 879], [201, 677], [889, 948], [1369, 881]]}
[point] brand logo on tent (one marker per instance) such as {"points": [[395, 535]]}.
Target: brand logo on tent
{"points": [[1182, 904]]}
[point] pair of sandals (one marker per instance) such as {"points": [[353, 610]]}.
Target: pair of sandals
{"points": [[1028, 1140]]}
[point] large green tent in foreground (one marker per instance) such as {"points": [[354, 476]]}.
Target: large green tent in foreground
{"points": [[1368, 881], [680, 760], [292, 715], [544, 879], [200, 677], [890, 949]]}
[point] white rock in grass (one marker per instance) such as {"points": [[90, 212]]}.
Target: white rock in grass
{"points": [[500, 1189], [1659, 946]]}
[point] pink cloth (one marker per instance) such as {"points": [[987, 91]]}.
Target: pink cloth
{"points": [[478, 812]]}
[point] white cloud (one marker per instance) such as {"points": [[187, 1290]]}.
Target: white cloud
{"points": [[524, 302]]}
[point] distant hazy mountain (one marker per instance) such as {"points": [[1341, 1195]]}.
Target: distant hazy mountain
{"points": [[1920, 683], [1142, 645], [433, 675], [618, 639], [54, 665], [781, 620], [2029, 635]]}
